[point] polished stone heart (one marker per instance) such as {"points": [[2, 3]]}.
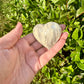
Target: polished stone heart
{"points": [[47, 34]]}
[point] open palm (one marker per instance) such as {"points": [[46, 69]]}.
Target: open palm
{"points": [[22, 58]]}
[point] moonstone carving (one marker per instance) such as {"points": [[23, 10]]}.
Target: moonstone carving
{"points": [[47, 34]]}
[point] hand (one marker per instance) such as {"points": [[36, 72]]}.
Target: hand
{"points": [[22, 58]]}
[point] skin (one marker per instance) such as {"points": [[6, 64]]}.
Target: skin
{"points": [[22, 58]]}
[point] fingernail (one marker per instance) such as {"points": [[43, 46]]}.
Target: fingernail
{"points": [[18, 25], [63, 26], [67, 33]]}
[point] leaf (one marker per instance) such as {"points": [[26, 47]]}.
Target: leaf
{"points": [[82, 3], [75, 78], [80, 64], [78, 48], [81, 43], [26, 2], [75, 34], [23, 17], [75, 56], [44, 69], [80, 11], [44, 4], [81, 32], [83, 19], [54, 79], [68, 80], [70, 2], [76, 23], [54, 1]]}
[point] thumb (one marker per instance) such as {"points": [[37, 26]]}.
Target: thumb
{"points": [[12, 37]]}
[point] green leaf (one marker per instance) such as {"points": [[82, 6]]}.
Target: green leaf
{"points": [[76, 23], [54, 1], [81, 32], [78, 48], [81, 43], [80, 64], [44, 69], [83, 19], [48, 75], [82, 3], [75, 34], [44, 4], [70, 2], [75, 78], [75, 56], [80, 11], [26, 1], [68, 80]]}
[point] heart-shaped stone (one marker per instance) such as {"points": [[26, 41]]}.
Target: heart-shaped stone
{"points": [[47, 34]]}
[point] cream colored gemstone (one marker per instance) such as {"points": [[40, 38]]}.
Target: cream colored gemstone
{"points": [[47, 34]]}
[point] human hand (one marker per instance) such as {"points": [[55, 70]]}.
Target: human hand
{"points": [[22, 58]]}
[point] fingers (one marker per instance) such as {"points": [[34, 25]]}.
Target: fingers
{"points": [[41, 51], [12, 37], [33, 42], [62, 26], [36, 45], [44, 59], [30, 38], [38, 48]]}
